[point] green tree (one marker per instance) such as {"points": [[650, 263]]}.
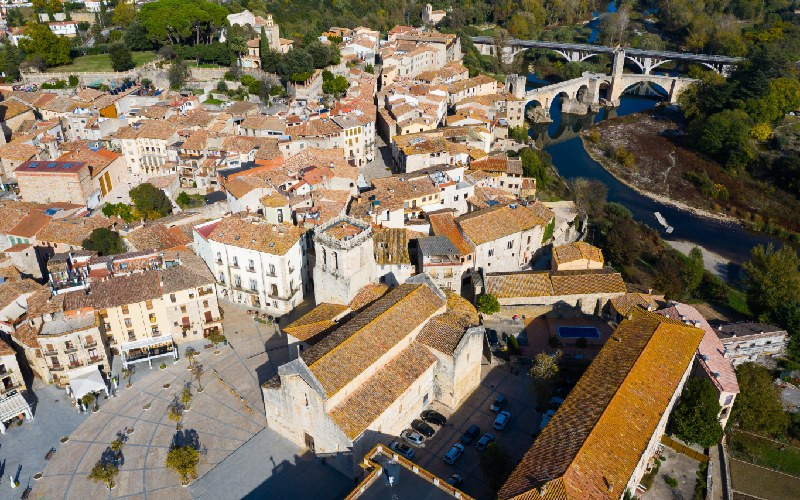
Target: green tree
{"points": [[694, 270], [537, 164], [150, 202], [335, 86], [544, 374], [104, 241], [121, 59], [496, 465], [237, 42], [183, 460], [772, 279], [136, 37], [177, 22], [73, 81], [105, 473], [40, 41], [488, 304], [178, 73], [758, 406], [124, 14], [726, 137], [694, 418]]}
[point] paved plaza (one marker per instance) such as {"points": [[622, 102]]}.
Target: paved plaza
{"points": [[227, 416]]}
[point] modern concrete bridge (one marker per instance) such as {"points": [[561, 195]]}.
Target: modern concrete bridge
{"points": [[646, 60]]}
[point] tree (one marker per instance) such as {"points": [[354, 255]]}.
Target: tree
{"points": [[772, 279], [175, 413], [726, 137], [135, 37], [178, 73], [237, 42], [335, 86], [124, 14], [121, 59], [186, 397], [488, 304], [758, 406], [104, 241], [150, 202], [176, 22], [128, 373], [105, 473], [694, 270], [589, 196], [694, 418], [183, 460], [496, 465], [40, 41], [73, 81], [544, 373], [537, 164], [197, 374]]}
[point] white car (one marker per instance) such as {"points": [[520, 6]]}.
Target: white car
{"points": [[412, 437], [502, 419]]}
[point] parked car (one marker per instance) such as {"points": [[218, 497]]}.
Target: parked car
{"points": [[423, 428], [454, 453], [412, 437], [471, 434], [402, 449], [455, 480], [499, 403], [433, 417], [491, 336], [545, 419], [484, 441], [555, 402], [502, 419]]}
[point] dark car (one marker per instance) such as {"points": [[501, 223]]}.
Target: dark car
{"points": [[499, 403], [433, 417], [423, 428], [471, 434], [491, 336]]}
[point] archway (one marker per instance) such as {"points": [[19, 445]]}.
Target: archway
{"points": [[581, 94], [646, 88]]}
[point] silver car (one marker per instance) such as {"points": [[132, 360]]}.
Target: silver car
{"points": [[412, 437]]}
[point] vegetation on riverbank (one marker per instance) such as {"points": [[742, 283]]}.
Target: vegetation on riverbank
{"points": [[647, 152]]}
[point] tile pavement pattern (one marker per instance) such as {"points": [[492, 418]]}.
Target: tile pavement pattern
{"points": [[220, 419]]}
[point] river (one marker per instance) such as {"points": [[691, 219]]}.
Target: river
{"points": [[723, 240]]}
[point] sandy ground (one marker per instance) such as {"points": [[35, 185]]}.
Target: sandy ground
{"points": [[713, 262]]}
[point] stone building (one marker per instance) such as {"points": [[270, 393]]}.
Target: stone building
{"points": [[603, 437], [10, 376], [576, 256], [345, 260], [747, 341], [372, 375], [441, 260]]}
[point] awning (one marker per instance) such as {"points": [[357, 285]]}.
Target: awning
{"points": [[160, 341], [12, 405], [84, 381]]}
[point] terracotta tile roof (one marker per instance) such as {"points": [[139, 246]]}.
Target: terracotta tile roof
{"points": [[585, 282], [262, 237], [97, 161], [444, 224], [18, 151], [11, 108], [493, 223], [117, 291], [156, 129], [12, 290], [315, 322], [5, 349], [361, 408], [74, 231], [316, 128], [343, 230], [345, 353], [391, 246], [444, 332], [496, 163], [263, 122], [368, 295], [577, 250], [30, 225], [504, 286], [25, 334], [313, 157], [154, 237], [274, 200], [624, 303], [196, 141], [595, 440], [477, 81], [711, 351]]}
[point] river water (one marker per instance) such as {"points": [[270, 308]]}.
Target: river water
{"points": [[727, 240]]}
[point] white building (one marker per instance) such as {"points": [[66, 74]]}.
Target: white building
{"points": [[64, 28], [745, 342], [255, 263]]}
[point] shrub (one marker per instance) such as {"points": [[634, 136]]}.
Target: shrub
{"points": [[73, 81], [183, 460], [671, 481], [488, 304]]}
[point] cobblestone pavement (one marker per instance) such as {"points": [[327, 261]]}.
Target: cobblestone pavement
{"points": [[226, 415]]}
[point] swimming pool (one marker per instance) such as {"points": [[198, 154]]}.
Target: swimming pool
{"points": [[578, 332]]}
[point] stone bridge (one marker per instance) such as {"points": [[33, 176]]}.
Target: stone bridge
{"points": [[645, 60], [583, 93]]}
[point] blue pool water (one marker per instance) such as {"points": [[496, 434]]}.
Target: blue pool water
{"points": [[578, 332]]}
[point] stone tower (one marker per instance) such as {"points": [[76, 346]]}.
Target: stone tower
{"points": [[515, 85], [345, 260]]}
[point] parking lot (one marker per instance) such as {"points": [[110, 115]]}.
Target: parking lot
{"points": [[516, 438]]}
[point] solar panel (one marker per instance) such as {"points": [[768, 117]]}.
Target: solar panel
{"points": [[51, 165]]}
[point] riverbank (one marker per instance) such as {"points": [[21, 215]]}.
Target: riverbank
{"points": [[644, 152]]}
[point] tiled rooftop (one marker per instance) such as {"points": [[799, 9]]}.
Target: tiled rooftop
{"points": [[315, 322], [262, 237], [493, 223]]}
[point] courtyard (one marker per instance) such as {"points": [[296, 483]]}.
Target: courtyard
{"points": [[225, 422]]}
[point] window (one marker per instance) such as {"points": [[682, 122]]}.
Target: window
{"points": [[455, 198], [172, 298], [250, 265], [235, 261], [510, 245], [205, 303], [222, 278], [253, 285], [148, 304], [125, 309], [128, 323], [131, 336], [274, 292], [155, 331], [272, 266], [237, 281], [491, 252], [529, 240], [183, 309], [219, 258], [151, 317]]}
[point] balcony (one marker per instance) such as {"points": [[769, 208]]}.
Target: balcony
{"points": [[75, 364], [219, 262], [4, 389], [205, 291], [95, 359], [50, 353], [235, 265], [56, 368], [90, 344], [251, 269], [68, 350]]}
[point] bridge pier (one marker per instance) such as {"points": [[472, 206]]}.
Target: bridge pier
{"points": [[616, 88]]}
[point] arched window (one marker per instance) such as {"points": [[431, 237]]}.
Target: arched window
{"points": [[335, 260], [324, 257]]}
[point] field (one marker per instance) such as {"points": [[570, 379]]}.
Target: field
{"points": [[766, 453], [100, 62], [757, 482]]}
